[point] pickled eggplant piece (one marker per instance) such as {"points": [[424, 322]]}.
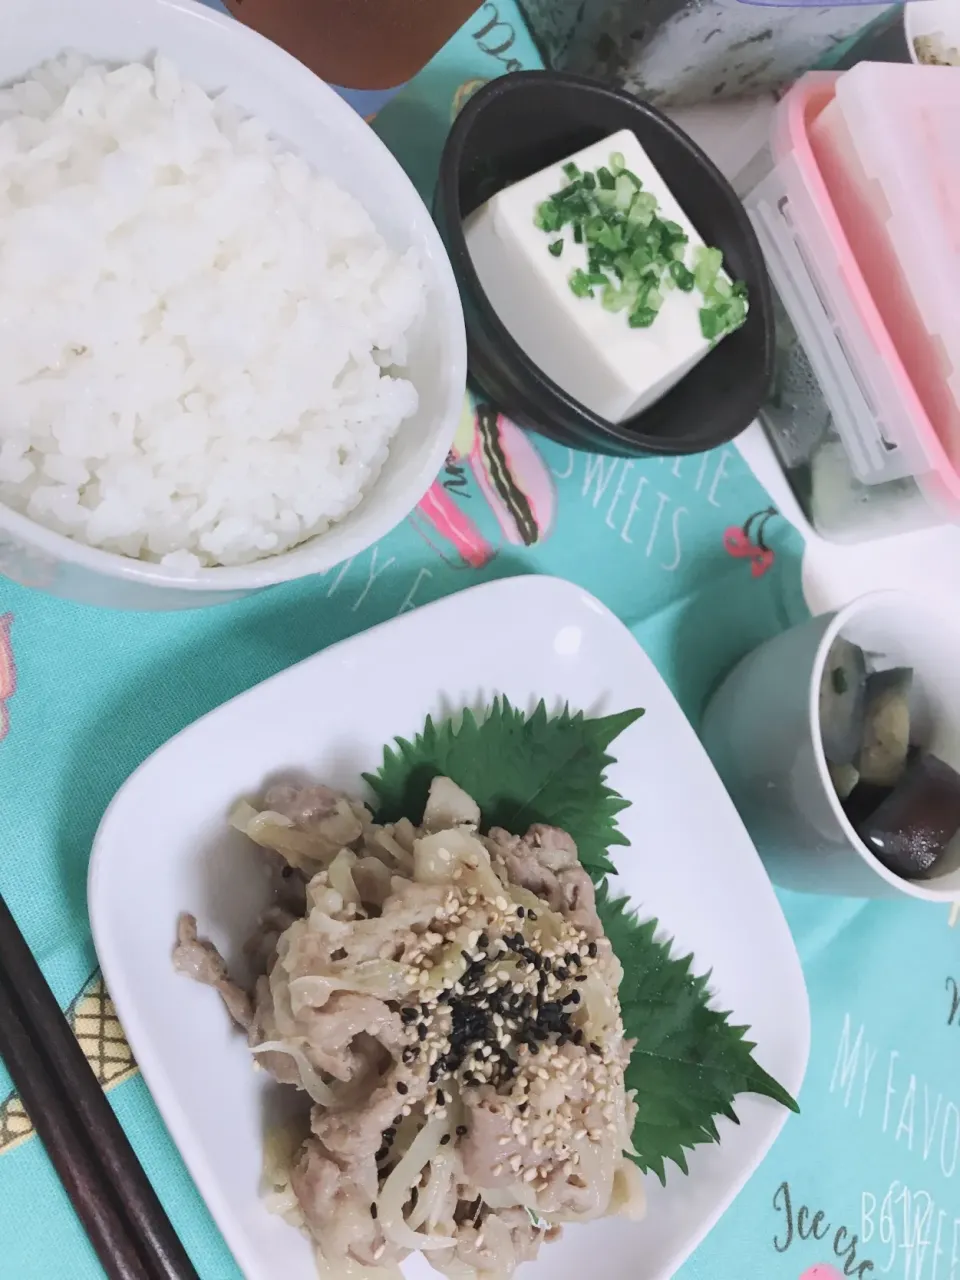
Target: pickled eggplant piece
{"points": [[843, 688], [864, 801], [912, 827], [886, 727], [844, 778]]}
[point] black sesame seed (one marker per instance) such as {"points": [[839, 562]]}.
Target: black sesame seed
{"points": [[522, 1107], [383, 1153], [547, 965], [373, 1209], [578, 1037], [287, 872], [563, 974], [595, 1047], [531, 915], [581, 977], [520, 912], [572, 958], [592, 951], [572, 998], [421, 1031], [398, 1120], [441, 1100], [435, 1073], [533, 1047], [461, 1130], [445, 1139], [339, 954], [408, 1015], [483, 941], [402, 1088], [410, 1054]]}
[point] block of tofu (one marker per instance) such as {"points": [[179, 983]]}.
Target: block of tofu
{"points": [[591, 353]]}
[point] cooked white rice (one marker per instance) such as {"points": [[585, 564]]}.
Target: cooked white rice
{"points": [[201, 339]]}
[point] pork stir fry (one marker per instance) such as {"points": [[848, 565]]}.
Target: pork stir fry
{"points": [[448, 1001]]}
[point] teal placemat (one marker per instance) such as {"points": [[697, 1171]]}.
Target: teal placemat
{"points": [[692, 556]]}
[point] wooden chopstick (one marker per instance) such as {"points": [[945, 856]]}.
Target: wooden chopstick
{"points": [[86, 1143], [60, 1134]]}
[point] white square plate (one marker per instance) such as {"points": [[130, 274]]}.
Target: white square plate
{"points": [[164, 847]]}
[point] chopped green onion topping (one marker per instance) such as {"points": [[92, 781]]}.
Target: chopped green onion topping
{"points": [[681, 277], [579, 284], [711, 323], [642, 318], [632, 254]]}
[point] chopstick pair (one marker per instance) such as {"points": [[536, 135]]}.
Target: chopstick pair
{"points": [[87, 1146]]}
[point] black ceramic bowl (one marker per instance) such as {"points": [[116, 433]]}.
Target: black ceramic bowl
{"points": [[516, 126]]}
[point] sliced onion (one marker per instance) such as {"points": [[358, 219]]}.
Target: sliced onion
{"points": [[309, 1076], [422, 1150]]}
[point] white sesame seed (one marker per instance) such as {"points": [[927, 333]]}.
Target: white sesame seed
{"points": [[379, 1251], [530, 1175], [497, 1170]]}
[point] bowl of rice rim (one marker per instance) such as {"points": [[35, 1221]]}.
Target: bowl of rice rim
{"points": [[232, 349]]}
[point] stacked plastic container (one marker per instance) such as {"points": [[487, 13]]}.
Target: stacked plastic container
{"points": [[859, 218]]}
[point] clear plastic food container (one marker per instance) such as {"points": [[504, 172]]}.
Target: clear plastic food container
{"points": [[854, 437]]}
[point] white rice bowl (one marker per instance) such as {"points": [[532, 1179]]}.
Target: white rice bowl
{"points": [[204, 339]]}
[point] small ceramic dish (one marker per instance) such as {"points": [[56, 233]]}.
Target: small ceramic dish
{"points": [[516, 126]]}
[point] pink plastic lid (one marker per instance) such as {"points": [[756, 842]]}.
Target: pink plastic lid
{"points": [[796, 116], [889, 152]]}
